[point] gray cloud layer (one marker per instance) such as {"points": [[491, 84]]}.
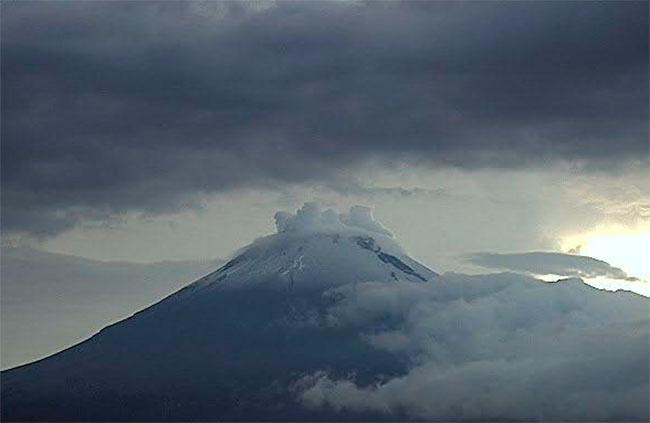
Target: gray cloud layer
{"points": [[543, 263], [110, 107]]}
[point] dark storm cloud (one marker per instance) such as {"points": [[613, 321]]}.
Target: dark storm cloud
{"points": [[111, 107]]}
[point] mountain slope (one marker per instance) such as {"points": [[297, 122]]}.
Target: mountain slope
{"points": [[232, 344], [60, 300]]}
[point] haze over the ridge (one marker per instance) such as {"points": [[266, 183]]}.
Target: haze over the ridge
{"points": [[52, 301]]}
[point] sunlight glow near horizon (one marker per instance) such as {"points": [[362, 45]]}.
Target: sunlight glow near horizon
{"points": [[627, 249]]}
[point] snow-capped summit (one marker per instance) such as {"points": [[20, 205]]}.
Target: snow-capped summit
{"points": [[317, 248]]}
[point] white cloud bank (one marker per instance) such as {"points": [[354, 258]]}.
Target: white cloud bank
{"points": [[496, 347]]}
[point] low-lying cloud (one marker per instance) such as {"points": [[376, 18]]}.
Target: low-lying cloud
{"points": [[495, 347]]}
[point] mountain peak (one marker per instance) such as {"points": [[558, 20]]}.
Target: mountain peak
{"points": [[201, 345], [316, 248]]}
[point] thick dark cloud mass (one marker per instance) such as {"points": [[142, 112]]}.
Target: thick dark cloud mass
{"points": [[544, 263], [110, 107]]}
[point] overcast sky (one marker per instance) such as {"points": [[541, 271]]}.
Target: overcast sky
{"points": [[164, 130]]}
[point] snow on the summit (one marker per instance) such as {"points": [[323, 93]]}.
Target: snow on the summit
{"points": [[317, 248]]}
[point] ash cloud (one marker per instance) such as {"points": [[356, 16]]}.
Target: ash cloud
{"points": [[115, 107], [312, 218]]}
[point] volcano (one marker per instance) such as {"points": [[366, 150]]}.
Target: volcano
{"points": [[233, 344], [330, 319]]}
